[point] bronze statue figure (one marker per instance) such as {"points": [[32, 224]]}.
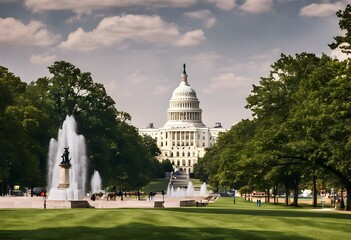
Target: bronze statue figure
{"points": [[65, 157]]}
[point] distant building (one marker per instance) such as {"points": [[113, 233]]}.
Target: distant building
{"points": [[184, 138]]}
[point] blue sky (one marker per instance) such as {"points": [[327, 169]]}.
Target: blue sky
{"points": [[136, 48]]}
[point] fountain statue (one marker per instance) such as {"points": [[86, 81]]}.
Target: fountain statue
{"points": [[67, 177], [65, 166]]}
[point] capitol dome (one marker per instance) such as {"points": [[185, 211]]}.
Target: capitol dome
{"points": [[184, 106], [184, 90], [184, 138]]}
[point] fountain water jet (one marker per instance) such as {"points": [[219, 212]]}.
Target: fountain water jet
{"points": [[95, 182], [203, 189], [186, 192], [67, 137]]}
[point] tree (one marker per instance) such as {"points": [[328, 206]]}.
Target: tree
{"points": [[19, 165], [343, 42]]}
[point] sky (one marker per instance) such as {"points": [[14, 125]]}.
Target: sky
{"points": [[137, 48]]}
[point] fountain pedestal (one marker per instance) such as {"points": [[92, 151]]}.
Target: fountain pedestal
{"points": [[64, 175]]}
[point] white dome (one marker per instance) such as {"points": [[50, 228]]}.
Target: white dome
{"points": [[184, 107], [183, 91]]}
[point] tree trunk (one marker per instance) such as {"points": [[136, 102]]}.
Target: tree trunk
{"points": [[275, 189], [314, 191], [296, 195], [287, 193], [348, 200]]}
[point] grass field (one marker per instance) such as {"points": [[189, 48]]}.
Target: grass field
{"points": [[221, 220]]}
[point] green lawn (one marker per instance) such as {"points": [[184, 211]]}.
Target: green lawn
{"points": [[156, 185], [221, 220]]}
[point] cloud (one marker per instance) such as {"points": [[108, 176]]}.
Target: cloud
{"points": [[225, 81], [257, 6], [138, 28], [14, 32], [205, 15], [223, 4], [321, 9], [135, 78], [42, 59], [87, 6], [339, 54], [191, 38]]}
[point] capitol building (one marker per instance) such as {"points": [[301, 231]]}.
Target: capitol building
{"points": [[184, 138]]}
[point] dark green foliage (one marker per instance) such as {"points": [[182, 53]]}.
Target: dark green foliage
{"points": [[32, 114], [344, 41], [301, 130]]}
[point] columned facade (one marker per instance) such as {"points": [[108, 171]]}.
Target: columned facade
{"points": [[184, 138]]}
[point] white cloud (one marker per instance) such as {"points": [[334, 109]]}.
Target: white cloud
{"points": [[191, 38], [223, 4], [14, 32], [339, 54], [135, 78], [42, 59], [138, 28], [87, 6], [321, 9], [257, 6], [225, 81], [205, 15]]}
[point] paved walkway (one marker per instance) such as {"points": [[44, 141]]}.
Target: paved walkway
{"points": [[38, 202]]}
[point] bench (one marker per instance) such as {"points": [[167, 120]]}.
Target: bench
{"points": [[158, 204], [187, 203], [201, 204]]}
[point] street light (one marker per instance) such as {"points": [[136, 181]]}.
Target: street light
{"points": [[44, 199], [163, 196]]}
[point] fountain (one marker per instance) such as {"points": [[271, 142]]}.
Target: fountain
{"points": [[95, 182], [203, 189], [186, 192], [67, 184]]}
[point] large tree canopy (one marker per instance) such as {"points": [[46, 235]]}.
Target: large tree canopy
{"points": [[32, 114], [301, 129]]}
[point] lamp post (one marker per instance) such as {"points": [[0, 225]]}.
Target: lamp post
{"points": [[45, 199], [163, 196]]}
